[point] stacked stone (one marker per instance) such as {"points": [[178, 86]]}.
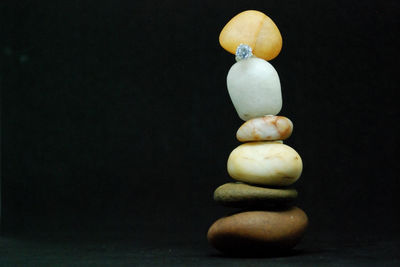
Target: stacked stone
{"points": [[263, 166]]}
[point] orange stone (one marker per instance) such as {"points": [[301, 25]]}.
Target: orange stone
{"points": [[255, 29], [258, 232]]}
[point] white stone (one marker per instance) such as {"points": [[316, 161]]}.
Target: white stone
{"points": [[265, 163], [254, 87], [268, 127]]}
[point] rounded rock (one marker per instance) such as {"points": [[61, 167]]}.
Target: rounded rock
{"points": [[255, 29], [265, 163], [258, 232], [243, 196], [254, 88], [265, 128]]}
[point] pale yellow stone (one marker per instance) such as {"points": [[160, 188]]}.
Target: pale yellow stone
{"points": [[255, 29], [265, 163]]}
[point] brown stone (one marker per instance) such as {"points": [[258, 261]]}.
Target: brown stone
{"points": [[258, 232]]}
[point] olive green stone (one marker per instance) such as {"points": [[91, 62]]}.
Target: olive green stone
{"points": [[243, 195]]}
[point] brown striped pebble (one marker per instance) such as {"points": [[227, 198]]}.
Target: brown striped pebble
{"points": [[266, 128]]}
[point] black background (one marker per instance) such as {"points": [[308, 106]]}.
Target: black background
{"points": [[116, 117]]}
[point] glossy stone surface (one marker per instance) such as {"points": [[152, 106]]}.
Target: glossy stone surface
{"points": [[255, 29], [258, 232], [268, 127], [254, 87], [265, 163], [244, 196]]}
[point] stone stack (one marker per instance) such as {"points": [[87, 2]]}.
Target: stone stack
{"points": [[263, 166]]}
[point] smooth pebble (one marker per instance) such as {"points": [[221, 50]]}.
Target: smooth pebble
{"points": [[268, 127], [254, 88], [255, 29], [265, 163], [242, 195], [258, 232]]}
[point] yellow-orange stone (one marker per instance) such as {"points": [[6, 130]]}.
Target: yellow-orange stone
{"points": [[255, 29]]}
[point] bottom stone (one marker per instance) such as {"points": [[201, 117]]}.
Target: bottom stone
{"points": [[258, 232]]}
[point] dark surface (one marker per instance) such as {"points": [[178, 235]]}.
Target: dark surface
{"points": [[116, 118], [111, 249]]}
